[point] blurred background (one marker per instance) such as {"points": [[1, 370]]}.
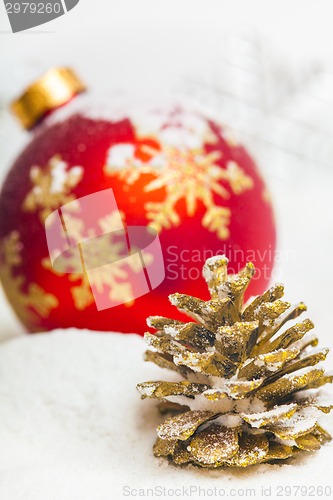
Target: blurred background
{"points": [[264, 68]]}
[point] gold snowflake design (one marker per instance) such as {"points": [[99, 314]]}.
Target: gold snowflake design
{"points": [[194, 176], [35, 302], [92, 255], [52, 187]]}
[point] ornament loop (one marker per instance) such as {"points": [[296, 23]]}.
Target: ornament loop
{"points": [[56, 87]]}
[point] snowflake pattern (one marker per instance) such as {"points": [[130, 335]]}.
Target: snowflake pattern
{"points": [[33, 303], [193, 176], [104, 248], [175, 154], [52, 186]]}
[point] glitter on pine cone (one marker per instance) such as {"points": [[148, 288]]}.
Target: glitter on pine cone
{"points": [[247, 392]]}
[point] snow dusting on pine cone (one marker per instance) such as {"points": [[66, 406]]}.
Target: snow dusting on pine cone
{"points": [[248, 389]]}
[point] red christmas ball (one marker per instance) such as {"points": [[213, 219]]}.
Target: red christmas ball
{"points": [[171, 169]]}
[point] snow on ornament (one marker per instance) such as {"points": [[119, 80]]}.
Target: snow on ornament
{"points": [[171, 169]]}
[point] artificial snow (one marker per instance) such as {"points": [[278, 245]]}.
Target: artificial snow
{"points": [[73, 425]]}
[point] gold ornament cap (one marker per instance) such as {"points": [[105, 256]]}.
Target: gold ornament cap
{"points": [[56, 87]]}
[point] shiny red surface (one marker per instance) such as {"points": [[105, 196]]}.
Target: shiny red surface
{"points": [[252, 224]]}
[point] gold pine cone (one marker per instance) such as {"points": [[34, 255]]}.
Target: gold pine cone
{"points": [[247, 391]]}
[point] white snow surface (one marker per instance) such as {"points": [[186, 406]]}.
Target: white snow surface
{"points": [[73, 426]]}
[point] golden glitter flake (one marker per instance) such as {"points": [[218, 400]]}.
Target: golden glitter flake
{"points": [[52, 187], [243, 397]]}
